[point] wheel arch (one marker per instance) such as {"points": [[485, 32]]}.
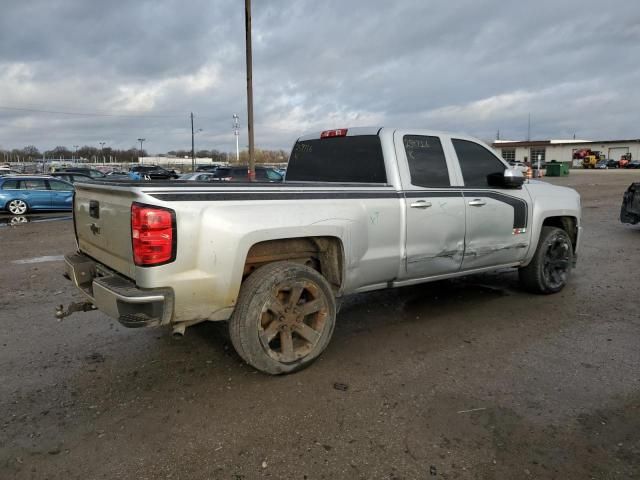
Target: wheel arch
{"points": [[567, 223], [325, 254]]}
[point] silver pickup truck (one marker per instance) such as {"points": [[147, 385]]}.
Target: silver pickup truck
{"points": [[361, 209]]}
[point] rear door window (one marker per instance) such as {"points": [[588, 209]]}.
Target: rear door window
{"points": [[35, 184], [356, 159], [427, 163], [476, 163], [239, 173]]}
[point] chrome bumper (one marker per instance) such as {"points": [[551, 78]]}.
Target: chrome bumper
{"points": [[118, 296]]}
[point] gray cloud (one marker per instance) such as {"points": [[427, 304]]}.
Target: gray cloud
{"points": [[464, 66]]}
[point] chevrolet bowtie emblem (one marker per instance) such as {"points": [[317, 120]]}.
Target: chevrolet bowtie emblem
{"points": [[95, 229]]}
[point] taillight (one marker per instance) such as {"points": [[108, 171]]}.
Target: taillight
{"points": [[340, 132], [153, 235]]}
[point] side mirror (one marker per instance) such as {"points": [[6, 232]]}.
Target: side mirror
{"points": [[510, 178]]}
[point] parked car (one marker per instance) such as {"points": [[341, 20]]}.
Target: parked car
{"points": [[72, 177], [611, 163], [602, 164], [633, 164], [90, 172], [18, 195], [630, 210], [241, 174], [362, 209], [197, 177], [154, 172], [208, 168]]}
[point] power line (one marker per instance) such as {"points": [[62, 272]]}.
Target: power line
{"points": [[92, 114]]}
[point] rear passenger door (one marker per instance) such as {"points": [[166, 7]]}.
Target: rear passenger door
{"points": [[496, 218], [435, 212], [38, 194]]}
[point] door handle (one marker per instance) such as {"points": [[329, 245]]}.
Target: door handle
{"points": [[476, 202], [421, 204]]}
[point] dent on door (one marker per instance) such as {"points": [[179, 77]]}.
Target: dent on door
{"points": [[436, 235], [496, 229]]}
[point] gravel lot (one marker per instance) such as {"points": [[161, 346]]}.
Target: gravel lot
{"points": [[470, 378]]}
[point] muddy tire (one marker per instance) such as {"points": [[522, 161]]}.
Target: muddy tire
{"points": [[549, 269], [284, 317]]}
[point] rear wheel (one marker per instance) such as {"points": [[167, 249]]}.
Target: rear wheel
{"points": [[549, 269], [17, 207], [284, 317]]}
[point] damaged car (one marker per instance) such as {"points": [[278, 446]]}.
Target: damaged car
{"points": [[630, 211]]}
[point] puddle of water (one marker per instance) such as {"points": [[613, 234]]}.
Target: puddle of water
{"points": [[21, 219], [46, 258]]}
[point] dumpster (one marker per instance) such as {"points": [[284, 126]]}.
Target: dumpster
{"points": [[557, 169]]}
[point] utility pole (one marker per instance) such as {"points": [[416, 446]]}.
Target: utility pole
{"points": [[529, 129], [236, 132], [247, 26], [193, 147], [76, 158], [141, 140]]}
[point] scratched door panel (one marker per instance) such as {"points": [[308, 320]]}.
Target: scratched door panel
{"points": [[435, 211], [435, 234], [497, 231], [496, 217]]}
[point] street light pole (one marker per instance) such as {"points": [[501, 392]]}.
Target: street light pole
{"points": [[76, 147], [247, 25], [141, 140], [101, 147], [236, 132], [193, 147]]}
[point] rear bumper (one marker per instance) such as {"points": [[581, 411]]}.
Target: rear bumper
{"points": [[118, 296]]}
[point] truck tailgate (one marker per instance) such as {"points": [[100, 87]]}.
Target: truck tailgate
{"points": [[102, 217]]}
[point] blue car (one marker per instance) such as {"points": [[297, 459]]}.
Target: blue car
{"points": [[18, 195]]}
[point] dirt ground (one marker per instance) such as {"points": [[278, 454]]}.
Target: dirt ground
{"points": [[469, 378]]}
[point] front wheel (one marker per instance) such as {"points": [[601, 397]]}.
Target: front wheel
{"points": [[549, 269], [17, 207], [284, 317]]}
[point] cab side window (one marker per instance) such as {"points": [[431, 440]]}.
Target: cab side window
{"points": [[427, 163], [476, 163]]}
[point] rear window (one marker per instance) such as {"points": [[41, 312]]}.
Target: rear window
{"points": [[10, 185], [356, 159], [239, 172]]}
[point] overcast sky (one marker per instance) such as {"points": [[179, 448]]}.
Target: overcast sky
{"points": [[470, 66]]}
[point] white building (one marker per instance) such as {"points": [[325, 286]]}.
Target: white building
{"points": [[563, 150]]}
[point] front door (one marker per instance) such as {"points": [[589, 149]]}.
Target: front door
{"points": [[61, 194], [435, 213], [497, 219]]}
